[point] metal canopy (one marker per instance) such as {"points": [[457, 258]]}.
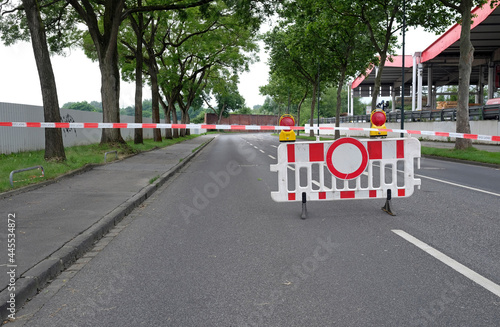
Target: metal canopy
{"points": [[443, 56]]}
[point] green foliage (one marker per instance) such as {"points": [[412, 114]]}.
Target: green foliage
{"points": [[94, 106], [60, 23]]}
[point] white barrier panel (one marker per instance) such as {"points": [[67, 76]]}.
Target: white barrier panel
{"points": [[346, 169]]}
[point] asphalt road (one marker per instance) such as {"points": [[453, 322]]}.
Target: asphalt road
{"points": [[212, 249]]}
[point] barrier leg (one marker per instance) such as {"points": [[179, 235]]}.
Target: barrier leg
{"points": [[304, 207], [387, 207]]}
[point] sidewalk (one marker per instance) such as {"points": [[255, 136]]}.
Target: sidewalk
{"points": [[57, 223]]}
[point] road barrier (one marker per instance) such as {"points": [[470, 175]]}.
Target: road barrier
{"points": [[346, 169], [11, 176], [490, 138]]}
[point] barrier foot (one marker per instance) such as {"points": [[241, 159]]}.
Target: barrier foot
{"points": [[387, 206], [304, 207]]}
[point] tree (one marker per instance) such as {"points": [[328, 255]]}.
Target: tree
{"points": [[344, 39], [294, 53], [54, 147], [458, 10], [227, 97]]}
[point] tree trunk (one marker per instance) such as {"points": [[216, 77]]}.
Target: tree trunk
{"points": [[54, 147], [339, 104], [378, 81], [464, 71], [166, 110], [110, 94], [155, 96], [298, 109], [173, 110], [313, 104], [139, 58]]}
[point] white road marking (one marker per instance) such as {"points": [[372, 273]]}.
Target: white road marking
{"points": [[261, 151], [458, 185], [270, 156], [472, 275], [274, 146]]}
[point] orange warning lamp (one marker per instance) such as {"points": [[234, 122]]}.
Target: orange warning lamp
{"points": [[377, 120], [287, 135]]}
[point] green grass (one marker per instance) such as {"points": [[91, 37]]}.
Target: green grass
{"points": [[471, 154], [76, 157]]}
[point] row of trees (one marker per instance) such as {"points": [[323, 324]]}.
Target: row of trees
{"points": [[187, 49], [318, 44], [191, 50]]}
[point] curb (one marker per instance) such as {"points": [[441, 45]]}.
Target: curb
{"points": [[37, 277]]}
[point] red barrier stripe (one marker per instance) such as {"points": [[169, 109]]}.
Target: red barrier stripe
{"points": [[120, 125], [149, 126], [375, 150], [493, 138], [62, 125], [347, 194], [316, 152], [400, 149], [470, 136], [290, 152]]}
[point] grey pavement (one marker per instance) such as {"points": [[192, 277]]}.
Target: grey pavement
{"points": [[58, 222]]}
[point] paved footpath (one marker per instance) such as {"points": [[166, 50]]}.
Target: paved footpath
{"points": [[57, 223]]}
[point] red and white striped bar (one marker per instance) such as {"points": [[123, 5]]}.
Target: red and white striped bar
{"points": [[490, 138]]}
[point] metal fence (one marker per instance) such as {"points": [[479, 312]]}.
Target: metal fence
{"points": [[490, 112], [14, 140]]}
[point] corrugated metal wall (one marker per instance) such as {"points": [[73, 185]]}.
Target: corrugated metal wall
{"points": [[13, 139]]}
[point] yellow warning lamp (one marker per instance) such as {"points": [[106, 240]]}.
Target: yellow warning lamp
{"points": [[287, 135], [377, 119]]}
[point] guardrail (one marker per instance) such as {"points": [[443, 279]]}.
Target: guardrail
{"points": [[475, 113], [11, 176], [106, 155]]}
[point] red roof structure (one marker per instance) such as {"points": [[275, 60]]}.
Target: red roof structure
{"points": [[440, 60]]}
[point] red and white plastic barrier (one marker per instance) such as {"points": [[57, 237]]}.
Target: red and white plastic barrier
{"points": [[345, 169], [491, 138]]}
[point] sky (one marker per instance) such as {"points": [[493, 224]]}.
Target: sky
{"points": [[78, 78]]}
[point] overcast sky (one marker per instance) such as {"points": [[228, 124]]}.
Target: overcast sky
{"points": [[78, 78]]}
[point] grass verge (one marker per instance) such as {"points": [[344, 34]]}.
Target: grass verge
{"points": [[471, 154], [76, 158]]}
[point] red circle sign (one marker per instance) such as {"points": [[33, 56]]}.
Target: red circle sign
{"points": [[349, 151]]}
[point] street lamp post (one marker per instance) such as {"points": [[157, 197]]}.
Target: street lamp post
{"points": [[403, 72]]}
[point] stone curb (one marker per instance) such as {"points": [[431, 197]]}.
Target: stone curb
{"points": [[36, 278]]}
